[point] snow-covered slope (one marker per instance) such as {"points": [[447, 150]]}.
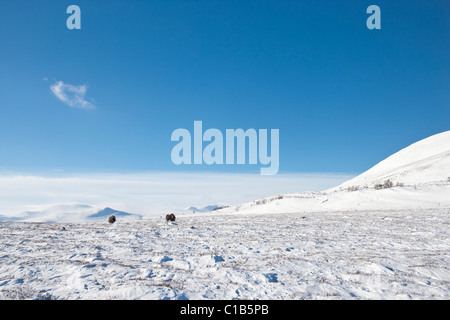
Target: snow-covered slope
{"points": [[426, 161], [420, 176]]}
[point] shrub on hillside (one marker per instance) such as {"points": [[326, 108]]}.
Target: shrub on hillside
{"points": [[385, 185]]}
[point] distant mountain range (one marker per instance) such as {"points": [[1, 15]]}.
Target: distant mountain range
{"points": [[208, 208], [74, 212], [107, 212]]}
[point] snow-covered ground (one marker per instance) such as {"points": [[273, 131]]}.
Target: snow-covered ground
{"points": [[324, 255], [364, 239]]}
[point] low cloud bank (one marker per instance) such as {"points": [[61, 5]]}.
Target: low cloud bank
{"points": [[149, 194]]}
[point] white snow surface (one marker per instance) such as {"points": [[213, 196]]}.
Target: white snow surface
{"points": [[350, 242], [325, 255]]}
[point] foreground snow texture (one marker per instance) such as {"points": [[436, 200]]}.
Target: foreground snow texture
{"points": [[382, 235], [327, 255]]}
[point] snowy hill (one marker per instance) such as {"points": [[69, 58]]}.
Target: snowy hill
{"points": [[416, 177], [426, 161]]}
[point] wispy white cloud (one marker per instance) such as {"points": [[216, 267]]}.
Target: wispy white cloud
{"points": [[73, 96]]}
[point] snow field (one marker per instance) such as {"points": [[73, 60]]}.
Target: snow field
{"points": [[401, 254]]}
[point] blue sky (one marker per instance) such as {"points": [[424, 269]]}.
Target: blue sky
{"points": [[343, 97]]}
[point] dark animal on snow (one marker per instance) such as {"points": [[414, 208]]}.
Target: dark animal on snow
{"points": [[170, 217], [112, 219]]}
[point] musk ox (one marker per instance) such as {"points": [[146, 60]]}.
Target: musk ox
{"points": [[170, 217]]}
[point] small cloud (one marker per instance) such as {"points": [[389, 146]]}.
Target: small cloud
{"points": [[73, 96]]}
